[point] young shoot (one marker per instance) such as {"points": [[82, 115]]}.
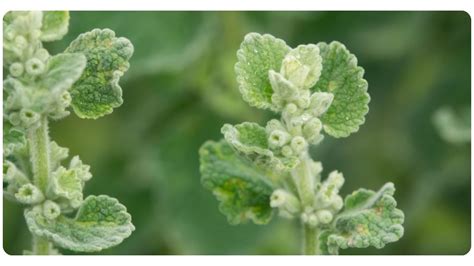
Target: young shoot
{"points": [[39, 88], [255, 171]]}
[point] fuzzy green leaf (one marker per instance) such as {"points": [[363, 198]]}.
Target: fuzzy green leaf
{"points": [[257, 55], [54, 26], [100, 223], [243, 191], [13, 138], [251, 140], [62, 71], [342, 77], [97, 91], [369, 219]]}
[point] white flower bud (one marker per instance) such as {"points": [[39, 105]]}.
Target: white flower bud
{"points": [[291, 108], [287, 151], [285, 201], [278, 198], [51, 210], [324, 216], [29, 194], [316, 168], [272, 125], [20, 42], [34, 66], [320, 102], [304, 217], [337, 203], [294, 71], [313, 220], [278, 138], [336, 179], [42, 54], [16, 69], [298, 144], [28, 117], [312, 128]]}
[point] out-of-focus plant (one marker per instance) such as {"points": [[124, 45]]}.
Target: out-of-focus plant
{"points": [[256, 170], [40, 88], [453, 127]]}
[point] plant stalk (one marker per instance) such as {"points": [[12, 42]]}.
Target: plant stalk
{"points": [[310, 244], [38, 140], [41, 246]]}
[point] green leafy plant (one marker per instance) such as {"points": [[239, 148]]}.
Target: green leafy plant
{"points": [[40, 88], [255, 171]]}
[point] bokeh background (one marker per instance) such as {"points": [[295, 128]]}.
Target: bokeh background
{"points": [[181, 88]]}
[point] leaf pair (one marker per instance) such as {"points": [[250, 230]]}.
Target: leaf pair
{"points": [[340, 75]]}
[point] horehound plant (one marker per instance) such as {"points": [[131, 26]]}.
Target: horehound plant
{"points": [[257, 170], [39, 88]]}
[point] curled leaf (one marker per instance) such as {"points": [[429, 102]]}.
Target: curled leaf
{"points": [[97, 91], [257, 55], [369, 219], [101, 222], [342, 77], [251, 140], [242, 189]]}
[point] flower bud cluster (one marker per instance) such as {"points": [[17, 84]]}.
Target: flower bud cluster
{"points": [[327, 201], [26, 99], [300, 125]]}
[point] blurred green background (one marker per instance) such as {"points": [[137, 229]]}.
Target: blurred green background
{"points": [[181, 88]]}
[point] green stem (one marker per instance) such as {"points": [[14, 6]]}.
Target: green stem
{"points": [[38, 140], [41, 246], [310, 245], [304, 181]]}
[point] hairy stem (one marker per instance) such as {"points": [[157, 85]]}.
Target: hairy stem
{"points": [[38, 140], [41, 246], [304, 181], [310, 244]]}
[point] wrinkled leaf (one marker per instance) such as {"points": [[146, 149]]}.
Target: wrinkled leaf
{"points": [[342, 77], [54, 26], [97, 91], [100, 223], [62, 71], [243, 191], [257, 55], [251, 140], [369, 219]]}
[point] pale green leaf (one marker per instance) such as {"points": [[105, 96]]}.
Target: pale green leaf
{"points": [[97, 91], [369, 219], [62, 71], [258, 54], [251, 140], [242, 189], [54, 26], [100, 223], [342, 77], [13, 138]]}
